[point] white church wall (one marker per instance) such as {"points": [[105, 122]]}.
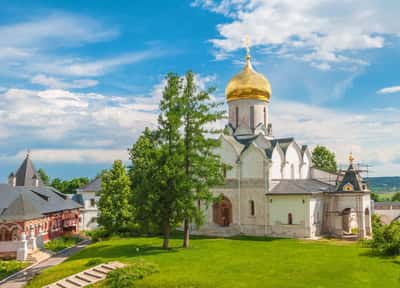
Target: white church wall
{"points": [[244, 112], [253, 224], [305, 167], [275, 170], [252, 163], [279, 208], [293, 160], [316, 215], [229, 156]]}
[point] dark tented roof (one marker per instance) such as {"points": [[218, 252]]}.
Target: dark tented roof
{"points": [[300, 187], [26, 174], [353, 177], [22, 203], [94, 186]]}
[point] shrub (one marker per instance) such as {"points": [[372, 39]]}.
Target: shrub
{"points": [[126, 277], [98, 234], [61, 243], [386, 239]]}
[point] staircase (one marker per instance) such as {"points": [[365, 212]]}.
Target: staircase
{"points": [[38, 256], [87, 277]]}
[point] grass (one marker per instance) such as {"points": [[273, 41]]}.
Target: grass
{"points": [[241, 262], [9, 267], [61, 243]]}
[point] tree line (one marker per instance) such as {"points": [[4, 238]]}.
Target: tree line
{"points": [[64, 186], [173, 166]]}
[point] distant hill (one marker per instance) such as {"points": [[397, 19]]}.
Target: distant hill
{"points": [[384, 184]]}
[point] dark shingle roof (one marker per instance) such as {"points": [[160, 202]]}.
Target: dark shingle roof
{"points": [[300, 187], [353, 177], [26, 174], [94, 186], [22, 203]]}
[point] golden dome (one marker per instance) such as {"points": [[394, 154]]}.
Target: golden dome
{"points": [[248, 84]]}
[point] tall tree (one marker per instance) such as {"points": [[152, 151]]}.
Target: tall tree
{"points": [[158, 156], [324, 159], [116, 211], [202, 167]]}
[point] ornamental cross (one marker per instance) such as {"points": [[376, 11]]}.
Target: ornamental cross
{"points": [[247, 44]]}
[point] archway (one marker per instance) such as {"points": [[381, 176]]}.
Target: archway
{"points": [[222, 212], [349, 221]]}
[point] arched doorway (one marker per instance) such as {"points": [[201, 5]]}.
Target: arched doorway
{"points": [[222, 212], [349, 221]]}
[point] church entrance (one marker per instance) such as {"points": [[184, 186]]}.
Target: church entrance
{"points": [[222, 212]]}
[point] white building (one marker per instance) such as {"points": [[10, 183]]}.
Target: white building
{"points": [[271, 187], [88, 197]]}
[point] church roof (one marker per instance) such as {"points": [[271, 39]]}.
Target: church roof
{"points": [[300, 187], [23, 203], [26, 174]]}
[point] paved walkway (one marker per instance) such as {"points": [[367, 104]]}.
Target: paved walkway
{"points": [[20, 279]]}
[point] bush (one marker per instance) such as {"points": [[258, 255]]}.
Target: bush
{"points": [[386, 238], [126, 277], [61, 243], [98, 234], [9, 267]]}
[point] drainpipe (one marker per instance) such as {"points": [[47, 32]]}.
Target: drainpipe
{"points": [[239, 188]]}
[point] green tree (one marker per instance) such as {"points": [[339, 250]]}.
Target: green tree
{"points": [[157, 162], [203, 168], [396, 197], [324, 159], [116, 210], [69, 186], [43, 175]]}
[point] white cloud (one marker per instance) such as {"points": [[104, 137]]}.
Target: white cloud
{"points": [[53, 82], [95, 156], [57, 29], [389, 90], [323, 33]]}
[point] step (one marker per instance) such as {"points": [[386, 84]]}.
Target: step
{"points": [[76, 282], [94, 274], [84, 278], [108, 267], [63, 284], [100, 270]]}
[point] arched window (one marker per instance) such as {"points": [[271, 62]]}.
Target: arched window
{"points": [[252, 208], [290, 219], [252, 117], [237, 116]]}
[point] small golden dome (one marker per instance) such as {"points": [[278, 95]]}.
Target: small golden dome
{"points": [[248, 84]]}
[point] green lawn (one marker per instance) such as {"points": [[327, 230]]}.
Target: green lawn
{"points": [[242, 262]]}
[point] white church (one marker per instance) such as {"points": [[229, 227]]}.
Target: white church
{"points": [[271, 188]]}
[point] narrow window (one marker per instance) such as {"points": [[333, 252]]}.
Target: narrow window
{"points": [[265, 116], [252, 208], [237, 116], [251, 117], [92, 202], [224, 171], [290, 219]]}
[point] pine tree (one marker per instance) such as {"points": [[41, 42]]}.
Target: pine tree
{"points": [[202, 167], [116, 209]]}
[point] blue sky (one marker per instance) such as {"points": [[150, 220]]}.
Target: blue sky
{"points": [[79, 80]]}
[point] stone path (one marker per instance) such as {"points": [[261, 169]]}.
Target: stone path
{"points": [[20, 279], [87, 277]]}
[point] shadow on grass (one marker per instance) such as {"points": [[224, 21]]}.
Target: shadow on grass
{"points": [[376, 254]]}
